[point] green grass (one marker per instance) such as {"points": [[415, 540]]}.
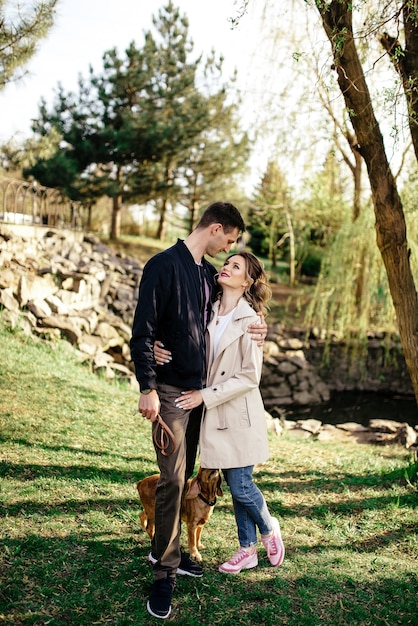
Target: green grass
{"points": [[72, 550]]}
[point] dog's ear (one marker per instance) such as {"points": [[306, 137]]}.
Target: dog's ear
{"points": [[192, 488], [219, 491]]}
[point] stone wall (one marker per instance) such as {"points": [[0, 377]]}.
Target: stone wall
{"points": [[58, 285], [383, 369], [63, 285]]}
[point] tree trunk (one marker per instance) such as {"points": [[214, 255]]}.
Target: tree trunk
{"points": [[292, 249], [390, 219], [357, 184], [194, 212], [89, 212], [162, 225], [272, 254], [115, 222]]}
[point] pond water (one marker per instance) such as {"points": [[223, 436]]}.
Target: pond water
{"points": [[359, 407]]}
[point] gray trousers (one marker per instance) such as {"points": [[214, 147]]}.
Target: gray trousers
{"points": [[174, 471]]}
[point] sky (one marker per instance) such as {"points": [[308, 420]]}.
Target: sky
{"points": [[85, 29]]}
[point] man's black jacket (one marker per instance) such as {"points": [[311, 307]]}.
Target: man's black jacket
{"points": [[170, 309]]}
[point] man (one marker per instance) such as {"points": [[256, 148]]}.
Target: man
{"points": [[175, 297]]}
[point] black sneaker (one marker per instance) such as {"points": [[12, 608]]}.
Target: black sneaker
{"points": [[159, 603], [187, 567]]}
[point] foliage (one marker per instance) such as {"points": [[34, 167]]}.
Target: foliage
{"points": [[72, 550], [409, 192], [22, 26], [351, 295], [311, 260], [267, 217], [411, 474], [216, 165], [144, 129], [277, 221], [324, 204], [390, 224]]}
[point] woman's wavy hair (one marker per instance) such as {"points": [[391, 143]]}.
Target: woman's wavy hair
{"points": [[258, 292]]}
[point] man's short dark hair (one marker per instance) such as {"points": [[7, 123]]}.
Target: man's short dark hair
{"points": [[223, 213]]}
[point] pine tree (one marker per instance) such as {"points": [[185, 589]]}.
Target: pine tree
{"points": [[133, 129], [21, 29], [216, 163]]}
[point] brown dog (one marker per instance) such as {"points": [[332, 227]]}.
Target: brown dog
{"points": [[198, 502]]}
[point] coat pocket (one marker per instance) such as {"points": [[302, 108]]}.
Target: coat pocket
{"points": [[243, 414]]}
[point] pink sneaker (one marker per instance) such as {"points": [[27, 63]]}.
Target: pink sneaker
{"points": [[274, 544], [243, 559]]}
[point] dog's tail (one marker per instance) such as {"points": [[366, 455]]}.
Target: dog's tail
{"points": [[143, 516], [144, 521]]}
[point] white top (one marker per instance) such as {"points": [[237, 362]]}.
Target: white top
{"points": [[222, 322]]}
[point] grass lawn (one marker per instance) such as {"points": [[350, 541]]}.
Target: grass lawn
{"points": [[73, 552]]}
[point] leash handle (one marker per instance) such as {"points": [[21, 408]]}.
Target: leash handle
{"points": [[164, 437]]}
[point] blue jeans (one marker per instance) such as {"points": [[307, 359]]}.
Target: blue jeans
{"points": [[250, 507]]}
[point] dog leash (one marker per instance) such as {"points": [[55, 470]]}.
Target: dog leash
{"points": [[164, 437]]}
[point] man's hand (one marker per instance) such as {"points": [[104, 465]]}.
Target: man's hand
{"points": [[149, 405], [258, 332]]}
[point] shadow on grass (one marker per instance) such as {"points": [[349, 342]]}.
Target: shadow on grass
{"points": [[75, 580], [307, 480], [379, 540], [27, 472], [79, 450], [270, 484], [95, 580], [72, 449], [70, 507], [340, 483]]}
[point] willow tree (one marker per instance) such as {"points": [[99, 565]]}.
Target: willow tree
{"points": [[354, 31], [390, 224]]}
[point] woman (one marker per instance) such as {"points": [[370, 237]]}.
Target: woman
{"points": [[233, 434]]}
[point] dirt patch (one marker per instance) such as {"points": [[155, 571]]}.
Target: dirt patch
{"points": [[289, 304]]}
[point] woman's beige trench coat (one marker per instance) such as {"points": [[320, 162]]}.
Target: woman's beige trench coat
{"points": [[234, 430]]}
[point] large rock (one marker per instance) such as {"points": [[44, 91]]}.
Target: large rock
{"points": [[35, 288]]}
